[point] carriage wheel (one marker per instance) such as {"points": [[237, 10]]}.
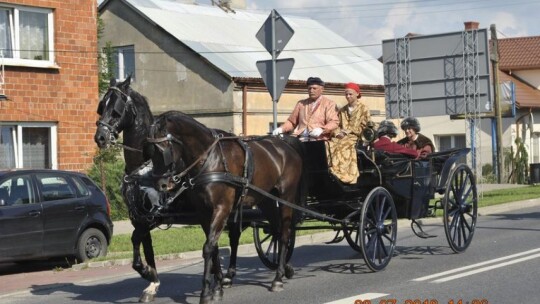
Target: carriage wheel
{"points": [[460, 208], [266, 243], [378, 229]]}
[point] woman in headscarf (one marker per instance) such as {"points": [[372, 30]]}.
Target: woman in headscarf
{"points": [[353, 118]]}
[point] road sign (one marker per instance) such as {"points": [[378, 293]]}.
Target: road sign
{"points": [[282, 33], [282, 72]]}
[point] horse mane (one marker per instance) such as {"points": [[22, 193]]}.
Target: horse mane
{"points": [[179, 117], [141, 101]]}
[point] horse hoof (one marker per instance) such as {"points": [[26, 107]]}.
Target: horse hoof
{"points": [[276, 286], [206, 300], [226, 282], [146, 297], [218, 295], [289, 271]]}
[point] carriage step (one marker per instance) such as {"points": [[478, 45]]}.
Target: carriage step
{"points": [[420, 233], [337, 238]]}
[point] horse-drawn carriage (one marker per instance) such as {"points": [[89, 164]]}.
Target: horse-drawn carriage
{"points": [[217, 179], [390, 187]]}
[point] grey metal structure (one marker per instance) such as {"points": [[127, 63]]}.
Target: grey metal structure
{"points": [[430, 72], [471, 96], [403, 73]]}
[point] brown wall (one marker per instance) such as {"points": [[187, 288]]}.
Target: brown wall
{"points": [[66, 95]]}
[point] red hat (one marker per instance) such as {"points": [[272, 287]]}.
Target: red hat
{"points": [[353, 86]]}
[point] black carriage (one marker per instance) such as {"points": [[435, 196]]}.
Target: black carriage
{"points": [[390, 187]]}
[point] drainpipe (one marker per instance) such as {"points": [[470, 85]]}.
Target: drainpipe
{"points": [[244, 109]]}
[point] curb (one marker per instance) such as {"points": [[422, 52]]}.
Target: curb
{"points": [[249, 249]]}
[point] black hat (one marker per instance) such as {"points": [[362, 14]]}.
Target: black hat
{"points": [[387, 127], [410, 122], [315, 80]]}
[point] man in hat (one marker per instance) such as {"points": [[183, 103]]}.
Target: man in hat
{"points": [[314, 117]]}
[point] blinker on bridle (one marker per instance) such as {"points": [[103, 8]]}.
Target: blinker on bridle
{"points": [[119, 108]]}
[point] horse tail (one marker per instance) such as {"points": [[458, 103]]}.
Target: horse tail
{"points": [[301, 194]]}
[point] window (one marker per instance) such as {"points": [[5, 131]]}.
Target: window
{"points": [[26, 36], [81, 187], [446, 142], [28, 146], [55, 187], [535, 150], [124, 60], [17, 191]]}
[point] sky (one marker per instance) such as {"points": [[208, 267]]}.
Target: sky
{"points": [[366, 23]]}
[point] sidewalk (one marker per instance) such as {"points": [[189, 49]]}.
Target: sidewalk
{"points": [[125, 227]]}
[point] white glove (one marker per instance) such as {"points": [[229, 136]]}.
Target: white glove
{"points": [[316, 132], [277, 131]]}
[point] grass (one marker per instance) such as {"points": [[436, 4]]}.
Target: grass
{"points": [[190, 238]]}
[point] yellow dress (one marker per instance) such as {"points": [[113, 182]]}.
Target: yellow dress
{"points": [[341, 153]]}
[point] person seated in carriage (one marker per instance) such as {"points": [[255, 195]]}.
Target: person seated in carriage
{"points": [[341, 149], [414, 139], [386, 131], [314, 117]]}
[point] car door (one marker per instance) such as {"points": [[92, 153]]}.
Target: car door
{"points": [[63, 212], [21, 219]]}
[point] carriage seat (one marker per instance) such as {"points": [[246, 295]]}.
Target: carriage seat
{"points": [[393, 164]]}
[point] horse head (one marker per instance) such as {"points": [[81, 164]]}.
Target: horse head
{"points": [[179, 148], [116, 112]]}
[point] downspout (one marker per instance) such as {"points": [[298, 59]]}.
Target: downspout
{"points": [[244, 109]]}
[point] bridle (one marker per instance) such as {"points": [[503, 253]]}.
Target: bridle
{"points": [[120, 107]]}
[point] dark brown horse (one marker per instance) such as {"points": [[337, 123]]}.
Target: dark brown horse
{"points": [[221, 174], [123, 110]]}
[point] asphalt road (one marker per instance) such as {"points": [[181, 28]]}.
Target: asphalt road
{"points": [[27, 281], [326, 273]]}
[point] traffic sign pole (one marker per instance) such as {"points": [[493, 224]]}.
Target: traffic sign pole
{"points": [[274, 34], [274, 78]]}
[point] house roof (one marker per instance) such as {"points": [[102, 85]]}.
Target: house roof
{"points": [[519, 53], [228, 42], [526, 96]]}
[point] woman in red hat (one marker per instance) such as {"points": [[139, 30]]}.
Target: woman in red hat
{"points": [[353, 118]]}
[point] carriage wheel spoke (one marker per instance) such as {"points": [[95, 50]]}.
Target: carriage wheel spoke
{"points": [[383, 247]]}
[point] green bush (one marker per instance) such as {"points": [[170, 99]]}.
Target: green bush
{"points": [[107, 172]]}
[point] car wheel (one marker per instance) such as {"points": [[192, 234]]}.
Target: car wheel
{"points": [[91, 244]]}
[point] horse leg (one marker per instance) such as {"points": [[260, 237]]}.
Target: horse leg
{"points": [[211, 260], [234, 239], [150, 271], [142, 235], [286, 216]]}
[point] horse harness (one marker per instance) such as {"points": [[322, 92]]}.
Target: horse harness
{"points": [[187, 182], [229, 178]]}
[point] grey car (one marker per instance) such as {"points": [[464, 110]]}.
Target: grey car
{"points": [[52, 213]]}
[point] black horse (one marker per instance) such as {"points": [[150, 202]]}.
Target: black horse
{"points": [[123, 110], [219, 175]]}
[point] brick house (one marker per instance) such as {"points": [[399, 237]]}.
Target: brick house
{"points": [[48, 83]]}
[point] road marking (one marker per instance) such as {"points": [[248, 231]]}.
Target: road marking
{"points": [[364, 296], [457, 276], [441, 274]]}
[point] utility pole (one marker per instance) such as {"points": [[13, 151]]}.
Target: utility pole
{"points": [[496, 99]]}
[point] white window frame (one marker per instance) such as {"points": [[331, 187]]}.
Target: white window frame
{"points": [[452, 139], [17, 135], [15, 37], [120, 64]]}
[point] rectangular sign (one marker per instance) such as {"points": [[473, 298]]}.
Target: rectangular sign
{"points": [[437, 74]]}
